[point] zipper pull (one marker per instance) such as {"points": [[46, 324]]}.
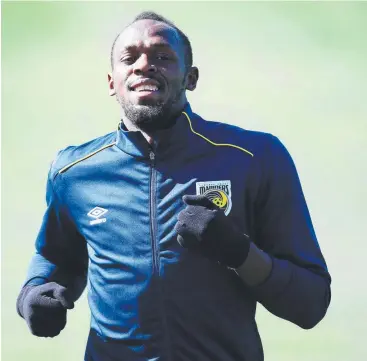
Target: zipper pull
{"points": [[152, 156]]}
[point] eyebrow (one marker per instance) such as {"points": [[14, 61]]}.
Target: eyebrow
{"points": [[155, 45]]}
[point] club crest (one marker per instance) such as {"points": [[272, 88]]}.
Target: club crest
{"points": [[219, 192]]}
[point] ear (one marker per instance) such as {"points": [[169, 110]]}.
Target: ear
{"points": [[192, 78], [111, 86]]}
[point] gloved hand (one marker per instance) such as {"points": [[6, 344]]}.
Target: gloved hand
{"points": [[204, 227], [44, 308]]}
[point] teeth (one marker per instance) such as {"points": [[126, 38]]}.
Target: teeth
{"points": [[146, 88]]}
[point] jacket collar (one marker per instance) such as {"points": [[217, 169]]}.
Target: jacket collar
{"points": [[166, 142]]}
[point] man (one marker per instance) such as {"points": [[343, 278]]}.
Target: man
{"points": [[180, 225]]}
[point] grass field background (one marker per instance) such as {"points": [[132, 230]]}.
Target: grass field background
{"points": [[297, 70]]}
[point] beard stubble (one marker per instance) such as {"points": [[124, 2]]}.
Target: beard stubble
{"points": [[152, 117]]}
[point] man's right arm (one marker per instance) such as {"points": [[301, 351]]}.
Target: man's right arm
{"points": [[59, 265], [41, 271]]}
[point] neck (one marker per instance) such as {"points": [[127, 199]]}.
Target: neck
{"points": [[150, 135], [132, 127]]}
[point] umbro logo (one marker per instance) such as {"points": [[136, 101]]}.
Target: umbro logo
{"points": [[96, 213]]}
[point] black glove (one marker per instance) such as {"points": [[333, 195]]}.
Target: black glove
{"points": [[44, 308], [204, 227]]}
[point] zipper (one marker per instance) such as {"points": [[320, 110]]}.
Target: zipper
{"points": [[153, 212], [155, 251]]}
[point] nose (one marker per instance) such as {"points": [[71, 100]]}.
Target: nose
{"points": [[143, 66]]}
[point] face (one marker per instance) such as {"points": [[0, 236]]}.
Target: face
{"points": [[149, 75]]}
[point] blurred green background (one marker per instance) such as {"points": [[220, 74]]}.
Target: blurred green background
{"points": [[294, 69]]}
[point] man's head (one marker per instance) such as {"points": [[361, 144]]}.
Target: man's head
{"points": [[152, 68]]}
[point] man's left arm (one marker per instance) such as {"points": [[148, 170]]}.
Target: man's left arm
{"points": [[285, 269]]}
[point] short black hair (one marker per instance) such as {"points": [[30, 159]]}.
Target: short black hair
{"points": [[150, 15]]}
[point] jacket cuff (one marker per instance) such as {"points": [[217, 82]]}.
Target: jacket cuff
{"points": [[276, 283], [36, 281]]}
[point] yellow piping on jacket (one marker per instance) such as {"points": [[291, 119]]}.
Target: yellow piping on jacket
{"points": [[62, 170], [216, 144]]}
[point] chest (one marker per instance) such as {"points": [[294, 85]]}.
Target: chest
{"points": [[121, 208]]}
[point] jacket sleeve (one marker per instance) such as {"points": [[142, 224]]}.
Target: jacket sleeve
{"points": [[61, 252], [298, 287]]}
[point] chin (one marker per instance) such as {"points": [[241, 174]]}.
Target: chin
{"points": [[147, 104]]}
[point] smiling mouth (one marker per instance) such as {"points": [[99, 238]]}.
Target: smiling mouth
{"points": [[144, 85], [145, 88]]}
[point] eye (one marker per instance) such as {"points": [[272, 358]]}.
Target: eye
{"points": [[163, 57], [128, 59]]}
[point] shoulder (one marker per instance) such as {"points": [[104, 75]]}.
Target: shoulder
{"points": [[257, 143], [74, 154]]}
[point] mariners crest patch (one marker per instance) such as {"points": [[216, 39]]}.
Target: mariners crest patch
{"points": [[219, 192]]}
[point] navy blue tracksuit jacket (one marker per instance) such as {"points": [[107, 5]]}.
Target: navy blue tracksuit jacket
{"points": [[112, 204]]}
